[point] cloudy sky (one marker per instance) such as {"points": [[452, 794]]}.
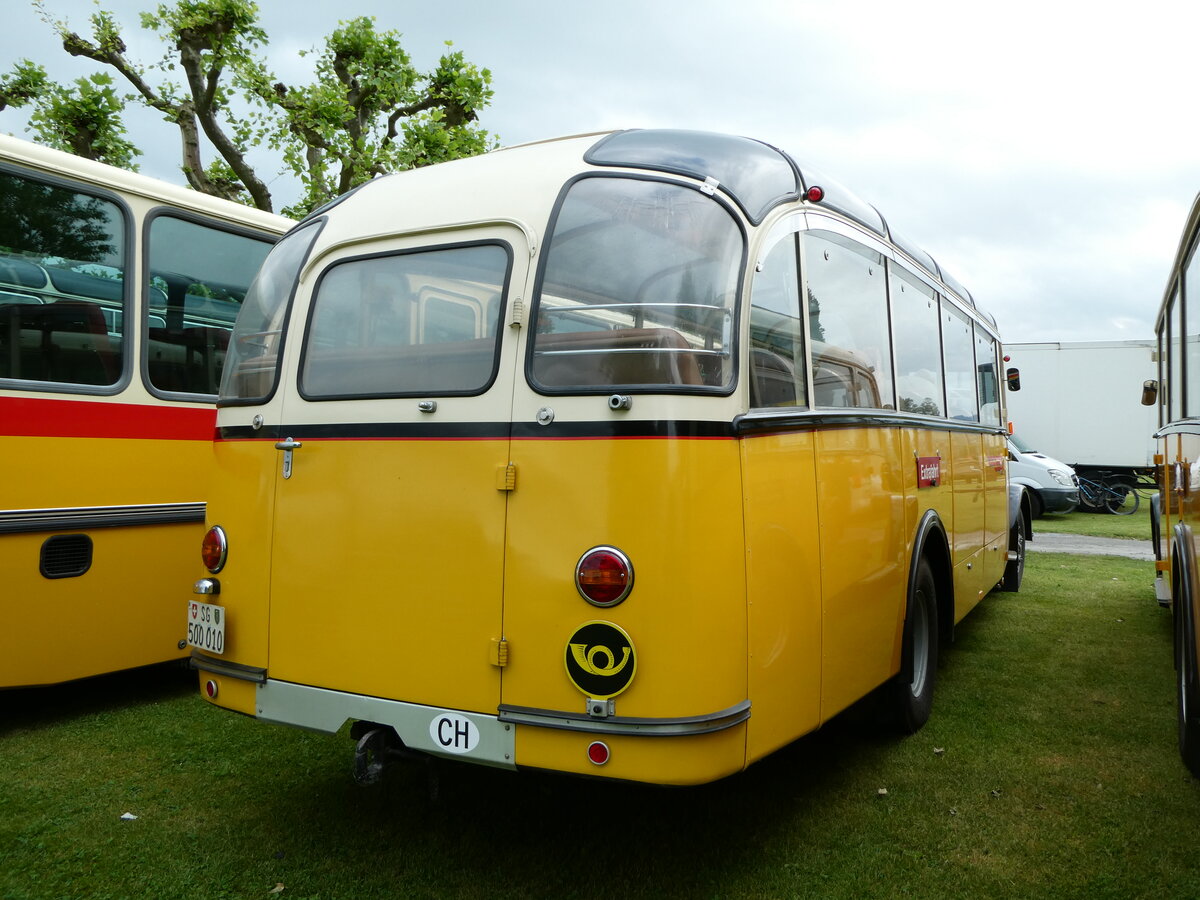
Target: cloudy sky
{"points": [[1046, 153]]}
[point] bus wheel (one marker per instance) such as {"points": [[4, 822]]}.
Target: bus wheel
{"points": [[1014, 571], [911, 699], [1187, 684]]}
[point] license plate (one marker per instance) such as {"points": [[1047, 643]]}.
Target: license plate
{"points": [[206, 626]]}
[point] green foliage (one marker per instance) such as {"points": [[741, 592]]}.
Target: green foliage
{"points": [[367, 111], [85, 119]]}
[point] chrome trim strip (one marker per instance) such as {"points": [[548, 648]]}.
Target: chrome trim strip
{"points": [[804, 419], [647, 727], [204, 663], [83, 518]]}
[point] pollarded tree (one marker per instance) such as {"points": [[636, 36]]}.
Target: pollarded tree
{"points": [[369, 110]]}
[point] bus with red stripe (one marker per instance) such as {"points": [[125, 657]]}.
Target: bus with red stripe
{"points": [[118, 294]]}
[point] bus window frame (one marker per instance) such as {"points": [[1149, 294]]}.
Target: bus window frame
{"points": [[147, 275], [128, 252], [735, 311], [328, 265]]}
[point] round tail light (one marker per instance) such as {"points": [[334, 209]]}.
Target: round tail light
{"points": [[214, 549], [604, 576], [598, 752]]}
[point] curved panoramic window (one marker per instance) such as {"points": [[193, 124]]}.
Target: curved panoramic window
{"points": [[252, 363], [421, 323], [755, 174], [638, 290]]}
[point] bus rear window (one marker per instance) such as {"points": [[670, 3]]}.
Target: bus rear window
{"points": [[638, 291], [421, 323]]}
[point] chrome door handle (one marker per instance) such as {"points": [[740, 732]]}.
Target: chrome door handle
{"points": [[287, 445]]}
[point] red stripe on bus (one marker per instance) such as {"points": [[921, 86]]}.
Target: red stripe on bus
{"points": [[42, 417]]}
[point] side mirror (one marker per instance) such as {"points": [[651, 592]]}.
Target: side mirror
{"points": [[1149, 392], [1014, 379]]}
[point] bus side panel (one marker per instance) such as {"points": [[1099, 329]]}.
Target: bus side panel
{"points": [[864, 560], [970, 522], [783, 582], [60, 629], [673, 506], [243, 492], [927, 444], [995, 485], [128, 608]]}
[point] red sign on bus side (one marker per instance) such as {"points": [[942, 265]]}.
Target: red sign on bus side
{"points": [[929, 471]]}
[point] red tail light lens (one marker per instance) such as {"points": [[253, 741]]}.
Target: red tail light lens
{"points": [[214, 549], [604, 576]]}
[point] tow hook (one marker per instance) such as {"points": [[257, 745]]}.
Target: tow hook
{"points": [[375, 749]]}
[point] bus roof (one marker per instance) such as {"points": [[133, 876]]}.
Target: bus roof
{"points": [[57, 163]]}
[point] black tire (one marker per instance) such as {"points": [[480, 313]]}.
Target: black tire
{"points": [[1014, 571], [910, 701], [1122, 500], [1187, 684]]}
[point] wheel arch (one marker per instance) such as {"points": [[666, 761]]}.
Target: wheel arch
{"points": [[931, 544]]}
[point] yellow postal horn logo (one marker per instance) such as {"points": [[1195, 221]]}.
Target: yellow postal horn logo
{"points": [[600, 659]]}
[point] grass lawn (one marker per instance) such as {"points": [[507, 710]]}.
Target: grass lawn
{"points": [[1049, 769], [1101, 524]]}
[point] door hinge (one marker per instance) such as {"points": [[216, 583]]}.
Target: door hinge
{"points": [[499, 652], [517, 313], [506, 478]]}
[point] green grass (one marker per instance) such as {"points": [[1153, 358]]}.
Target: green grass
{"points": [[1057, 776], [1102, 524]]}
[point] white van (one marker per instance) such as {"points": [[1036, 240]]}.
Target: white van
{"points": [[1052, 485]]}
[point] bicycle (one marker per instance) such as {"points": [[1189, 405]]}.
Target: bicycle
{"points": [[1116, 497]]}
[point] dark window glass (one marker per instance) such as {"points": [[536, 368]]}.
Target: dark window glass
{"points": [[62, 285], [199, 276]]}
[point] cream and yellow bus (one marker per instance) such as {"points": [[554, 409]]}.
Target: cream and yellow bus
{"points": [[117, 298], [636, 455], [1175, 509]]}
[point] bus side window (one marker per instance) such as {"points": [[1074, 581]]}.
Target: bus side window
{"points": [[958, 344], [61, 283], [848, 323], [190, 316], [919, 381], [777, 330]]}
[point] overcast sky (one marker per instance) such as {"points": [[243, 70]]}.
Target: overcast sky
{"points": [[1046, 153]]}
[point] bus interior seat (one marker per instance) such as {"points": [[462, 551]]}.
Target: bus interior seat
{"points": [[65, 341], [629, 356], [774, 379]]}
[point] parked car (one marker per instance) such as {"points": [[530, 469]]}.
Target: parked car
{"points": [[1052, 485]]}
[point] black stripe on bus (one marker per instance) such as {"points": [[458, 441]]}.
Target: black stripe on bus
{"points": [[743, 426], [450, 431], [18, 521]]}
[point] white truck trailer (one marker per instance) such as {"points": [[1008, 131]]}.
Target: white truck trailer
{"points": [[1081, 403]]}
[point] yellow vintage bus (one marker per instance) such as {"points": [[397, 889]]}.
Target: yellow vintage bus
{"points": [[636, 455], [117, 298], [1175, 509]]}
